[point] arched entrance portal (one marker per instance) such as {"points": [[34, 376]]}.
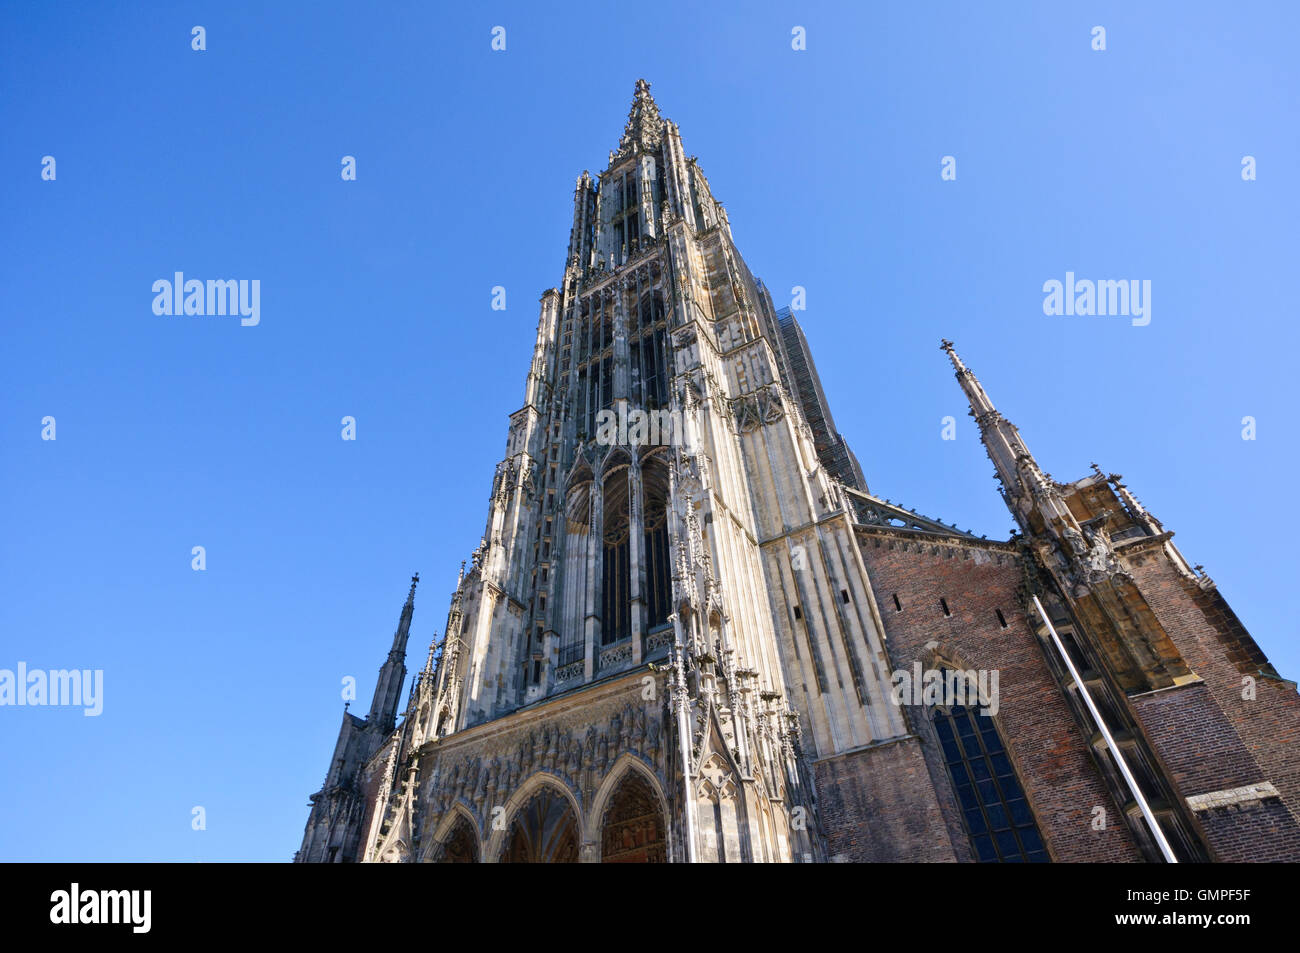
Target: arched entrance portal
{"points": [[633, 830], [543, 832], [461, 846]]}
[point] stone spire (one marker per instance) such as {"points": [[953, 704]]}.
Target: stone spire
{"points": [[644, 124], [1024, 484], [383, 709]]}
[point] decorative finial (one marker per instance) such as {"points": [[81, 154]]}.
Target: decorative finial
{"points": [[947, 346]]}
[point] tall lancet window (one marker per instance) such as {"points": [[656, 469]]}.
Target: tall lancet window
{"points": [[596, 360], [627, 220], [657, 566], [996, 814], [616, 566], [647, 353], [573, 579]]}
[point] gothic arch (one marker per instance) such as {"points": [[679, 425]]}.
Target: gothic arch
{"points": [[615, 458], [715, 629], [457, 838], [579, 473], [633, 828], [942, 655], [627, 764], [542, 783], [721, 802]]}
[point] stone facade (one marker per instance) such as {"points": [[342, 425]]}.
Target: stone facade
{"points": [[691, 634]]}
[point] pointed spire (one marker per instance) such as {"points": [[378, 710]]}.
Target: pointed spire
{"points": [[644, 124], [383, 708], [428, 662], [975, 394], [404, 623], [1023, 482]]}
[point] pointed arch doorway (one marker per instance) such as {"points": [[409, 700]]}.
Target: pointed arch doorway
{"points": [[633, 828], [544, 831]]}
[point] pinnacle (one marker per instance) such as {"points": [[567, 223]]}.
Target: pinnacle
{"points": [[643, 120], [947, 346]]}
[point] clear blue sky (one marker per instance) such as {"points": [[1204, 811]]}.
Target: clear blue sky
{"points": [[222, 687]]}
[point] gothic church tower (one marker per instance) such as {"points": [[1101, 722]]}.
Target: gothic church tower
{"points": [[668, 645]]}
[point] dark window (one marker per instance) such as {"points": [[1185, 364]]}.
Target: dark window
{"points": [[659, 586], [944, 604], [1002, 620], [992, 802], [797, 613], [615, 615], [844, 594], [898, 606]]}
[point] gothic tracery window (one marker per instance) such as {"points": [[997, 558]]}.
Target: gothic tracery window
{"points": [[646, 352], [616, 567], [658, 568], [994, 808]]}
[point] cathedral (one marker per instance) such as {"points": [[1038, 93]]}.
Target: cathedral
{"points": [[692, 633]]}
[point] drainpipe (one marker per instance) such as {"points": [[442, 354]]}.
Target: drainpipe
{"points": [[1110, 741]]}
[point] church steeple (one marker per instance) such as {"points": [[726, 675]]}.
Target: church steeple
{"points": [[1024, 484], [383, 709], [644, 124]]}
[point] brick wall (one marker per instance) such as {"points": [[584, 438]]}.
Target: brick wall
{"points": [[1212, 737], [1041, 736], [878, 806]]}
